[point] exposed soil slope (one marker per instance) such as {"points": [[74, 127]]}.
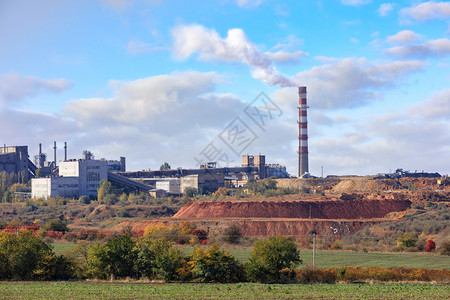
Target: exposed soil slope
{"points": [[298, 228], [353, 209]]}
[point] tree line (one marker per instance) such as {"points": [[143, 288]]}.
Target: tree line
{"points": [[25, 256]]}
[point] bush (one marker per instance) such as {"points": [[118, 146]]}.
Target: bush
{"points": [[395, 274], [24, 256], [445, 248], [56, 225], [215, 265], [190, 192], [115, 259], [310, 275], [232, 234], [201, 235], [269, 257], [407, 240], [431, 245], [157, 259]]}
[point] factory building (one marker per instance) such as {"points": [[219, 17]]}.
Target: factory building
{"points": [[14, 159], [117, 165], [276, 170], [170, 185], [76, 178], [207, 181]]}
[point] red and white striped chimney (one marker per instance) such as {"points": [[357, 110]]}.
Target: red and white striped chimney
{"points": [[302, 132]]}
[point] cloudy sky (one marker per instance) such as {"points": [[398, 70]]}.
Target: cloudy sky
{"points": [[191, 81]]}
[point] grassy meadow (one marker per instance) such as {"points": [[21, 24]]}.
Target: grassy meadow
{"points": [[332, 259], [133, 290]]}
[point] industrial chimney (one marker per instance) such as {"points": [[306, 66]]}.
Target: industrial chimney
{"points": [[302, 132], [54, 152], [65, 151]]}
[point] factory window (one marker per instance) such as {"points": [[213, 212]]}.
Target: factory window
{"points": [[93, 176], [93, 167]]}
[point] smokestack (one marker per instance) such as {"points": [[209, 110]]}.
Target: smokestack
{"points": [[40, 148], [54, 152], [65, 151], [302, 132]]}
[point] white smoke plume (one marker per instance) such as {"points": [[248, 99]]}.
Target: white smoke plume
{"points": [[190, 39]]}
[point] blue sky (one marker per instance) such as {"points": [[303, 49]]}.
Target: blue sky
{"points": [[157, 80]]}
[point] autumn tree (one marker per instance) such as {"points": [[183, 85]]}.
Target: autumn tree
{"points": [[105, 189]]}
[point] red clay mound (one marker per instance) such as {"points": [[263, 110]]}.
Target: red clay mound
{"points": [[353, 209]]}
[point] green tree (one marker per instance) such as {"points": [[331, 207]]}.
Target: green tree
{"points": [[38, 173], [158, 259], [56, 225], [97, 262], [115, 259], [407, 240], [7, 197], [24, 256], [165, 166], [190, 192], [215, 265], [105, 189], [232, 234], [121, 254], [23, 177], [270, 257]]}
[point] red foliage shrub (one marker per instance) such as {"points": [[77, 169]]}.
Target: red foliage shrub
{"points": [[90, 234], [431, 246], [137, 233], [180, 241], [70, 235], [203, 242], [200, 234], [54, 234]]}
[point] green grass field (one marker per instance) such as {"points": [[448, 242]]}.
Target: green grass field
{"points": [[106, 290], [331, 259]]}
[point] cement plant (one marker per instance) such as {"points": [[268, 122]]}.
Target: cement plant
{"points": [[96, 199]]}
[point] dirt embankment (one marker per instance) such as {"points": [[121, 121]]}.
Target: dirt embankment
{"points": [[294, 227], [366, 185], [352, 209]]}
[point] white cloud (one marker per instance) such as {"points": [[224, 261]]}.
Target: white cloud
{"points": [[434, 48], [426, 11], [438, 106], [234, 48], [385, 9], [155, 119], [122, 5], [285, 57], [355, 2], [248, 3], [382, 143], [290, 42], [404, 37], [15, 87], [138, 47], [353, 82]]}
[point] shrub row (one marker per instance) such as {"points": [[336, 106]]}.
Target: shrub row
{"points": [[382, 274]]}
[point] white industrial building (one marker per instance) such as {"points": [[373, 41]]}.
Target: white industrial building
{"points": [[170, 185], [76, 178]]}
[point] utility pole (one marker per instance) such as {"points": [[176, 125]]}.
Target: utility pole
{"points": [[313, 232], [314, 250]]}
